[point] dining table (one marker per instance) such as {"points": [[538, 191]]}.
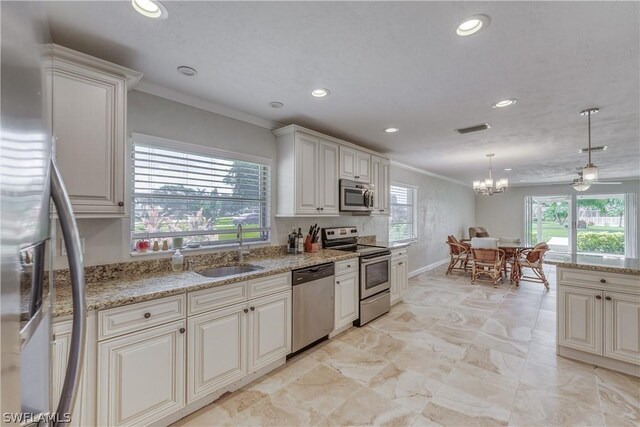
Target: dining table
{"points": [[512, 252]]}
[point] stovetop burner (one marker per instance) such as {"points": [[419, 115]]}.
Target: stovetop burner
{"points": [[346, 239]]}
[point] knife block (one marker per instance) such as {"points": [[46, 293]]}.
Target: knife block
{"points": [[311, 247]]}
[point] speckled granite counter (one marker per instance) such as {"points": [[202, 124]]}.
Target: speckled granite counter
{"points": [[602, 263], [146, 286]]}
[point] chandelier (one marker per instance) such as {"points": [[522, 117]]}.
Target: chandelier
{"points": [[489, 187]]}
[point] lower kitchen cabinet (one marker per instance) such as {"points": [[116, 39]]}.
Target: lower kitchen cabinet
{"points": [[141, 376], [580, 318], [269, 329], [219, 357], [347, 302], [622, 326], [399, 275]]}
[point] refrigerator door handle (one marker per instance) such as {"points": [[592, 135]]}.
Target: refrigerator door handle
{"points": [[71, 237], [37, 279]]}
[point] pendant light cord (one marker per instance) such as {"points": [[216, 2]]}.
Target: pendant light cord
{"points": [[589, 119]]}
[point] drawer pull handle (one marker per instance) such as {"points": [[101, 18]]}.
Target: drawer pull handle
{"points": [[253, 308], [603, 281], [607, 298], [400, 263], [147, 315], [598, 297], [246, 310], [182, 330]]}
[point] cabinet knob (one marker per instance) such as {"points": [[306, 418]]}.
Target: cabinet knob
{"points": [[603, 281], [121, 204], [348, 265], [400, 263], [147, 315], [182, 330], [321, 209], [317, 209], [607, 298], [246, 310], [253, 308], [337, 282], [598, 297]]}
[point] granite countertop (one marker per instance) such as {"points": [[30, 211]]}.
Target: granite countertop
{"points": [[601, 263], [113, 293]]}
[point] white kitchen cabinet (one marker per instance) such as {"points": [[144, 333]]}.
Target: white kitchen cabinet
{"points": [[355, 164], [269, 329], [381, 185], [89, 127], [399, 275], [307, 175], [580, 318], [347, 301], [141, 376], [218, 350], [622, 326]]}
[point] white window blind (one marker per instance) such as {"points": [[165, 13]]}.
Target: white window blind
{"points": [[199, 197], [402, 222]]}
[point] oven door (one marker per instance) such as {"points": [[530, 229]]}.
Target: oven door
{"points": [[374, 275], [354, 198]]}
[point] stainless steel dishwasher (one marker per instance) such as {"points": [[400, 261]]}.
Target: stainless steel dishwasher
{"points": [[313, 306]]}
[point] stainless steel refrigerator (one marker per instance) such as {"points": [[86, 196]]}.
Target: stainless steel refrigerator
{"points": [[29, 183]]}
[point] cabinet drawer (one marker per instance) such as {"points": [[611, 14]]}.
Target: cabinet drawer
{"points": [[399, 253], [221, 296], [348, 266], [134, 317], [269, 285], [598, 279]]}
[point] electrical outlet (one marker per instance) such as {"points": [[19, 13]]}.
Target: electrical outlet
{"points": [[62, 249]]}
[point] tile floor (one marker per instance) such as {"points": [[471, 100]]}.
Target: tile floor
{"points": [[452, 354]]}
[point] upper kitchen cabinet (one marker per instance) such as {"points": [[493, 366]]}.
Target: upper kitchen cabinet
{"points": [[381, 185], [355, 164], [307, 174], [89, 126]]}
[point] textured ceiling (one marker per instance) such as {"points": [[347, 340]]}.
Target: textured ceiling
{"points": [[400, 64]]}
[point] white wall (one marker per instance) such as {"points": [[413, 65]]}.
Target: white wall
{"points": [[444, 208], [503, 214]]}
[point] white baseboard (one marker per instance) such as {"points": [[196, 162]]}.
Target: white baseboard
{"points": [[428, 267]]}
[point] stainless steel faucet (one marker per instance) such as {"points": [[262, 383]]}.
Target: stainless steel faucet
{"points": [[241, 252]]}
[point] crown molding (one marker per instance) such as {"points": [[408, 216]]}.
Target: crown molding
{"points": [[429, 173], [192, 101]]}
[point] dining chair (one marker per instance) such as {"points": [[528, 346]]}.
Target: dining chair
{"points": [[459, 253], [532, 259], [478, 232], [488, 262]]}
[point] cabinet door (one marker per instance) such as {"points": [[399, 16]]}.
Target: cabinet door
{"points": [[363, 166], [376, 180], [347, 303], [348, 166], [269, 329], [622, 327], [403, 276], [217, 356], [89, 109], [306, 148], [141, 376], [580, 318], [328, 177], [393, 276], [383, 190]]}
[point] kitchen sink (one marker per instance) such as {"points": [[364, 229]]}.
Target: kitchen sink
{"points": [[228, 271]]}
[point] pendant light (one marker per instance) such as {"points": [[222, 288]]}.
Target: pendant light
{"points": [[590, 172], [489, 186]]}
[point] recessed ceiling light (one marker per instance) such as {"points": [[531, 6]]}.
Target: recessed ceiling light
{"points": [[320, 93], [187, 71], [472, 25], [150, 8], [391, 130], [276, 104], [505, 103], [508, 169]]}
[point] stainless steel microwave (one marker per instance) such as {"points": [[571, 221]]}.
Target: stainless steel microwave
{"points": [[355, 196]]}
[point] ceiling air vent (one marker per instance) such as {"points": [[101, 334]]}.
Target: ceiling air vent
{"points": [[593, 149], [475, 128]]}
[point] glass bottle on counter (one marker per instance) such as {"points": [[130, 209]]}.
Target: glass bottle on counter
{"points": [[300, 241], [293, 242]]}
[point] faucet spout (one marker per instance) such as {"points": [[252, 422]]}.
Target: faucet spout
{"points": [[241, 252]]}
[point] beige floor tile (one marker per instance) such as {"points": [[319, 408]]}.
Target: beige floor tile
{"points": [[619, 395], [432, 365], [207, 416], [547, 355], [357, 364], [496, 361], [404, 386], [466, 317], [452, 406], [549, 410], [501, 343], [484, 384], [373, 342], [278, 410], [285, 374], [327, 349], [368, 408], [510, 327]]}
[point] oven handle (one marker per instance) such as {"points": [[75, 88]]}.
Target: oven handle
{"points": [[376, 259], [371, 301]]}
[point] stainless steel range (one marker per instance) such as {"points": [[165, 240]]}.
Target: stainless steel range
{"points": [[375, 267]]}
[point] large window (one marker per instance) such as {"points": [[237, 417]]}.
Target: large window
{"points": [[192, 196], [402, 222]]}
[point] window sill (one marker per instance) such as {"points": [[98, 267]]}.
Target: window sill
{"points": [[402, 242], [194, 251]]}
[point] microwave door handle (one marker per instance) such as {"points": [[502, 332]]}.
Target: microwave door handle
{"points": [[71, 237]]}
